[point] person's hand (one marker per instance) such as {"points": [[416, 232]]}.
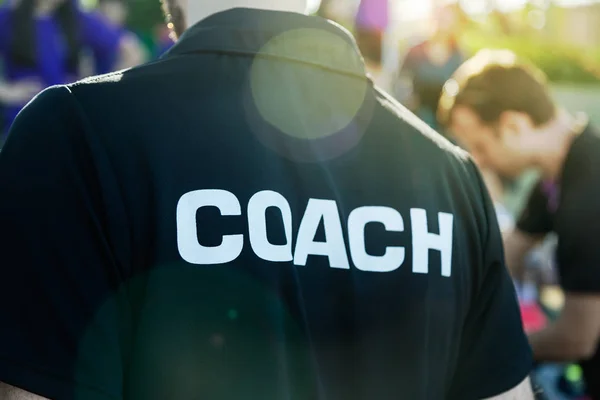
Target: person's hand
{"points": [[21, 92]]}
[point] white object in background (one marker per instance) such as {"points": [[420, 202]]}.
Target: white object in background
{"points": [[528, 293], [506, 220]]}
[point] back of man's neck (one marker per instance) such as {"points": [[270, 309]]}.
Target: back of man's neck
{"points": [[200, 10]]}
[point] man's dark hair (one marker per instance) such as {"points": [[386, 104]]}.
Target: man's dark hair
{"points": [[174, 16], [495, 81], [23, 46]]}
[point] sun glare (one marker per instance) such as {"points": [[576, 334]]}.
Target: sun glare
{"points": [[409, 10], [313, 6]]}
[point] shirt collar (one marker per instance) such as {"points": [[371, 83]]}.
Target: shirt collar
{"points": [[284, 35]]}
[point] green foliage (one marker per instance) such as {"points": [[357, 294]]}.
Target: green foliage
{"points": [[560, 62]]}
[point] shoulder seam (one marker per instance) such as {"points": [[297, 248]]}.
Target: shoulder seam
{"points": [[482, 199], [421, 125]]}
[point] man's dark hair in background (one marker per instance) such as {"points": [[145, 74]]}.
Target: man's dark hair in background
{"points": [[248, 216], [493, 82], [501, 109]]}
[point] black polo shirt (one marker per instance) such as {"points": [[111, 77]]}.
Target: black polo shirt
{"points": [[571, 208], [248, 218]]}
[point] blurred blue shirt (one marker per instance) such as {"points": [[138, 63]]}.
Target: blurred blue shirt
{"points": [[51, 69]]}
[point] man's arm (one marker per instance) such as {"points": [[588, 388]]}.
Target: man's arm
{"points": [[522, 391], [575, 335], [8, 392], [62, 300], [517, 244], [493, 184], [534, 223]]}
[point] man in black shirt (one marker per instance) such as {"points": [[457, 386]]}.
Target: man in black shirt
{"points": [[248, 217], [502, 111]]}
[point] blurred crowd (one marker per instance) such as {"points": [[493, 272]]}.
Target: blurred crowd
{"points": [[49, 42]]}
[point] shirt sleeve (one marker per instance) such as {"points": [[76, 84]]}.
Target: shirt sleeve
{"points": [[101, 36], [536, 218], [64, 311], [494, 354], [577, 255]]}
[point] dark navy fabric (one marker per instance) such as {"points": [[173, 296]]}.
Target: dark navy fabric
{"points": [[102, 297]]}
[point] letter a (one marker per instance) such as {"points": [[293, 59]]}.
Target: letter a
{"points": [[333, 247]]}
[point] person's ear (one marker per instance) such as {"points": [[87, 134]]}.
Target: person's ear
{"points": [[514, 123]]}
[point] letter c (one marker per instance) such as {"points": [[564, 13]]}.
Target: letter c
{"points": [[187, 229]]}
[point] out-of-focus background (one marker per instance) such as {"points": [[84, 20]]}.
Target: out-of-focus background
{"points": [[562, 37]]}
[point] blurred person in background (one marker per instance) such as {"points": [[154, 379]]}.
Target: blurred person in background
{"points": [[371, 22], [248, 217], [428, 65], [116, 12], [369, 42], [501, 110], [41, 43], [163, 40]]}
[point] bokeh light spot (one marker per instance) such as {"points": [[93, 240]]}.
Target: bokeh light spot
{"points": [[307, 101], [232, 314]]}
